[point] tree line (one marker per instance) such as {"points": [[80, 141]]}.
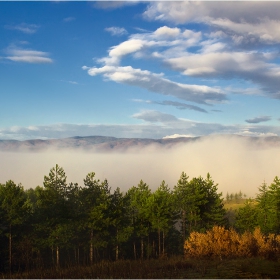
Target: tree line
{"points": [[62, 223]]}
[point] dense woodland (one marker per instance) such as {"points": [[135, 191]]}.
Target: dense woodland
{"points": [[63, 224]]}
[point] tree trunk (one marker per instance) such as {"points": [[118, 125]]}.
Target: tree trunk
{"points": [[91, 248], [117, 252], [10, 249], [159, 249], [57, 256], [52, 256], [184, 225], [78, 255], [148, 254], [117, 248], [142, 248], [163, 242], [134, 250]]}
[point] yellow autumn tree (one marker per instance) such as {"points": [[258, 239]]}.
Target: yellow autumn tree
{"points": [[222, 243]]}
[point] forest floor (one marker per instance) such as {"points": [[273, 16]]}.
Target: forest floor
{"points": [[172, 268]]}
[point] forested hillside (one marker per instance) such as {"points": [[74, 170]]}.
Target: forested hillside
{"points": [[63, 223]]}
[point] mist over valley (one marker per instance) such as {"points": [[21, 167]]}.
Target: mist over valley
{"points": [[234, 162]]}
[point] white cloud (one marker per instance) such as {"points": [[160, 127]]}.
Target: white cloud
{"points": [[178, 105], [24, 27], [250, 66], [69, 19], [125, 48], [162, 37], [229, 51], [168, 32], [157, 83], [180, 12], [70, 82], [154, 124], [217, 63], [246, 22], [266, 30], [30, 59], [246, 132], [177, 136], [175, 41], [116, 31], [27, 56], [114, 4], [155, 116]]}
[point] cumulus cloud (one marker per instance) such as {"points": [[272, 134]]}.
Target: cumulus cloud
{"points": [[24, 27], [250, 66], [238, 34], [171, 46], [259, 119], [180, 12], [266, 30], [157, 83], [165, 31], [27, 56], [116, 31]]}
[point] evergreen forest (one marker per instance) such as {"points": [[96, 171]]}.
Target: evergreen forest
{"points": [[63, 224]]}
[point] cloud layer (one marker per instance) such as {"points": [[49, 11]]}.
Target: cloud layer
{"points": [[234, 163], [153, 124]]}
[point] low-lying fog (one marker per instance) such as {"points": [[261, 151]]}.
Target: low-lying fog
{"points": [[233, 163]]}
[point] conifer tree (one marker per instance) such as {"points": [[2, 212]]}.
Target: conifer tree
{"points": [[161, 209], [13, 210], [119, 220], [96, 199], [138, 200]]}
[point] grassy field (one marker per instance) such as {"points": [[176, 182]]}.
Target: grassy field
{"points": [[233, 204], [176, 268]]}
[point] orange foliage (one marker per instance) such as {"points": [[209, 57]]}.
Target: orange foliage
{"points": [[222, 243]]}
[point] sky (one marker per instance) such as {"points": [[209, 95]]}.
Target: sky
{"points": [[139, 69]]}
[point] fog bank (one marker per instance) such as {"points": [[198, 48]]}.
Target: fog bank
{"points": [[235, 164]]}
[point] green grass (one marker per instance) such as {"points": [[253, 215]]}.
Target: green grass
{"points": [[234, 205], [176, 268]]}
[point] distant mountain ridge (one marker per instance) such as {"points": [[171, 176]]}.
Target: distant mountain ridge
{"points": [[102, 143], [107, 143]]}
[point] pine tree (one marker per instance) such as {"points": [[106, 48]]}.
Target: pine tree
{"points": [[119, 220], [96, 199], [264, 208], [54, 210], [182, 202], [274, 194], [161, 214], [138, 200], [246, 218], [13, 209]]}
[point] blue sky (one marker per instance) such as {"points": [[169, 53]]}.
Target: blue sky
{"points": [[139, 69]]}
